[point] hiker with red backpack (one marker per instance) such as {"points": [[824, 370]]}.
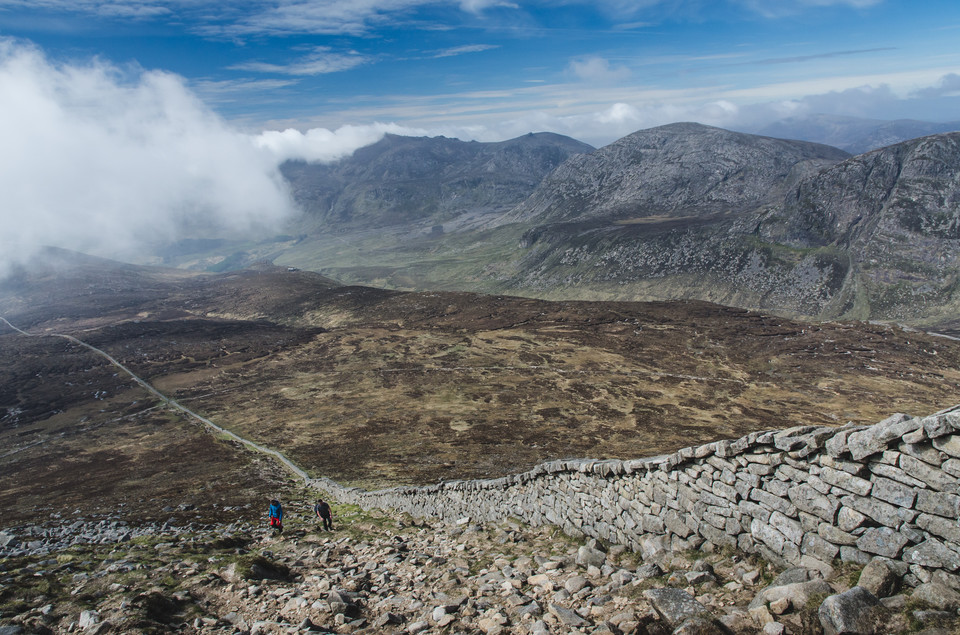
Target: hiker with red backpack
{"points": [[276, 516]]}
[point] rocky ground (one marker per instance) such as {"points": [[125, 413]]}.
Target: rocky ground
{"points": [[381, 573]]}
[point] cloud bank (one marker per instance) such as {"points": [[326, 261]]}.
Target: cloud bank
{"points": [[106, 160], [598, 113], [320, 145]]}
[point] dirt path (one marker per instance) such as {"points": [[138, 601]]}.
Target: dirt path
{"points": [[173, 403]]}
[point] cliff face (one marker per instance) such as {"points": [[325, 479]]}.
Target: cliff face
{"points": [[895, 215], [910, 190]]}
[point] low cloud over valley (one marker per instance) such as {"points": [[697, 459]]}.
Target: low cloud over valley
{"points": [[106, 160]]}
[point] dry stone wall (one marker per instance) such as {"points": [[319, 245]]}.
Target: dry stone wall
{"points": [[803, 496]]}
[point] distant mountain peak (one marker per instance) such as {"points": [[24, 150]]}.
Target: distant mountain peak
{"points": [[426, 181], [673, 170], [854, 134]]}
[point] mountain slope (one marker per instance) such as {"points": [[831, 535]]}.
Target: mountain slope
{"points": [[874, 236], [906, 190], [374, 387], [895, 213], [683, 211], [683, 169], [403, 180]]}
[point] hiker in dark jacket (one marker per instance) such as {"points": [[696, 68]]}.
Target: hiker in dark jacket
{"points": [[276, 516], [322, 509]]}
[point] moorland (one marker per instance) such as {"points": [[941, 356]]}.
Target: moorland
{"points": [[374, 388]]}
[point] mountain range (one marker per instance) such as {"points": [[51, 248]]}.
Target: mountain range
{"points": [[376, 387], [856, 135], [683, 211], [412, 180], [870, 236]]}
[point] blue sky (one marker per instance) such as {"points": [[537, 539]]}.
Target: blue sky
{"points": [[491, 69], [129, 121]]}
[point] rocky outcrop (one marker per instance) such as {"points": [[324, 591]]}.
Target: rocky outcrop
{"points": [[804, 496], [381, 573], [895, 213], [852, 612], [42, 540], [386, 575]]}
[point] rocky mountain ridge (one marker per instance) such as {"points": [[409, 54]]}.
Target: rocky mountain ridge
{"points": [[684, 169], [682, 211], [686, 211], [869, 237], [409, 180], [909, 188]]}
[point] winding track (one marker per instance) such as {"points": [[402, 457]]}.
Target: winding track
{"points": [[173, 403]]}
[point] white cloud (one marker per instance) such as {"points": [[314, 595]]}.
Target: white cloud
{"points": [[320, 62], [631, 26], [605, 125], [626, 8], [478, 6], [901, 84], [136, 11], [358, 17], [785, 8], [125, 10], [859, 4], [257, 17], [596, 69], [619, 114], [948, 86], [462, 50], [322, 145], [104, 161], [355, 17], [604, 113], [231, 89]]}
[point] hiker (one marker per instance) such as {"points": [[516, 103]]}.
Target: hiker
{"points": [[276, 516], [322, 510]]}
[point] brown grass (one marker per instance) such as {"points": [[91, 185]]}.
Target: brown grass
{"points": [[415, 388]]}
